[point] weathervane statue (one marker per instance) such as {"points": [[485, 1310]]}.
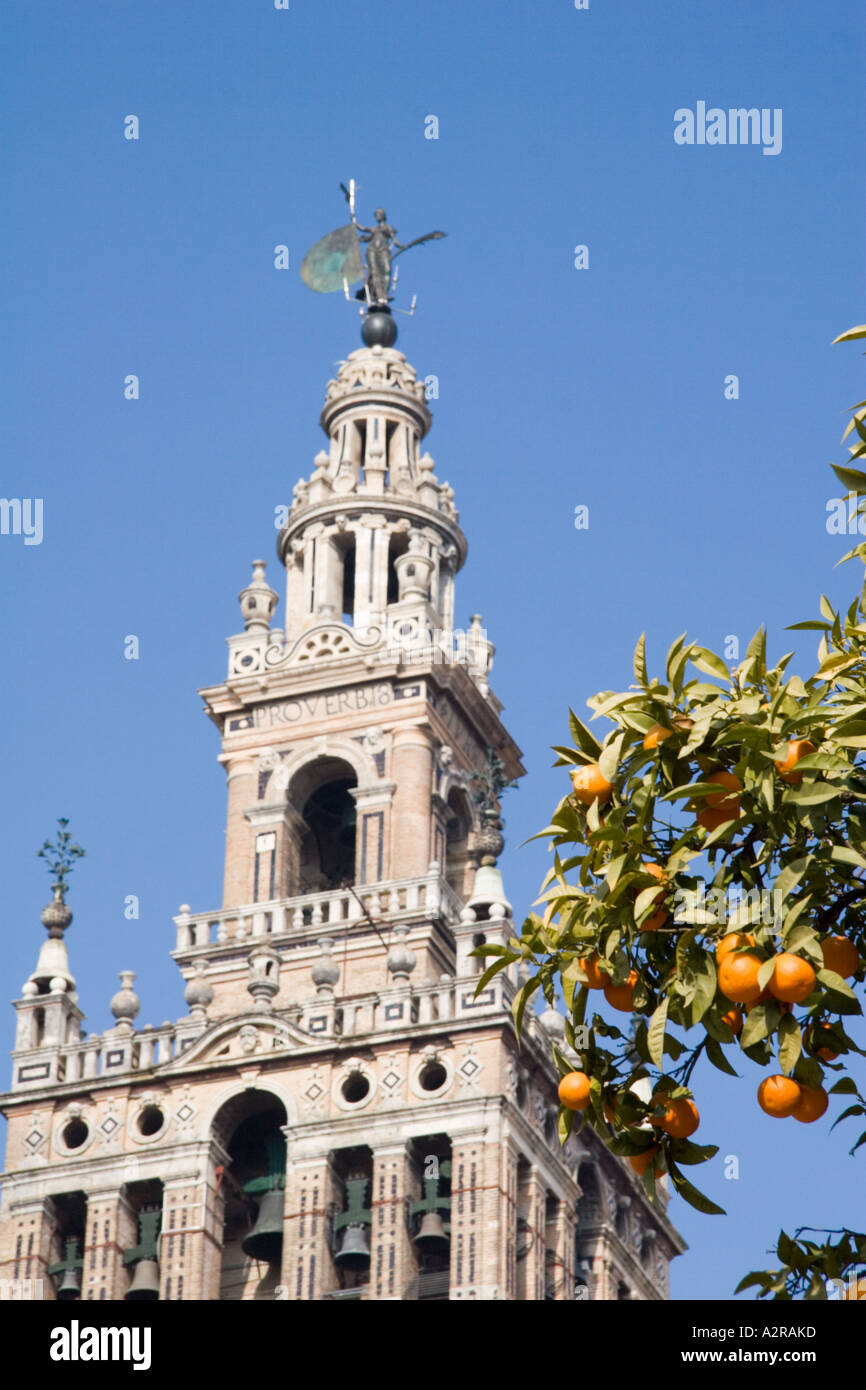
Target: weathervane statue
{"points": [[335, 263]]}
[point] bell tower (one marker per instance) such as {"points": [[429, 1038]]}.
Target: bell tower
{"points": [[342, 1113]]}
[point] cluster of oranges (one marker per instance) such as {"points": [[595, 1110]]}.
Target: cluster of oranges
{"points": [[793, 978], [591, 786], [781, 1096], [679, 1118]]}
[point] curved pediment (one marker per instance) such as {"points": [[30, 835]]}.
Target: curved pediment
{"points": [[239, 1039]]}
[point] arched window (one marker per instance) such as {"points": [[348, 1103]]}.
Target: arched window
{"points": [[321, 849], [457, 828], [249, 1128]]}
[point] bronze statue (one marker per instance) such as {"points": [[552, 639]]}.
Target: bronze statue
{"points": [[335, 261]]}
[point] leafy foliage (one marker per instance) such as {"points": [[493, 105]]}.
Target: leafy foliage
{"points": [[60, 856], [782, 856]]}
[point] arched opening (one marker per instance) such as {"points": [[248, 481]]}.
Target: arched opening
{"points": [[346, 550], [321, 794], [457, 829], [249, 1128], [398, 544], [589, 1218]]}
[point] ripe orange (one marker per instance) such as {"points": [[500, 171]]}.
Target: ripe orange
{"points": [[778, 1095], [840, 955], [811, 1105], [640, 1162], [621, 996], [680, 1118], [656, 735], [660, 916], [589, 785], [595, 978], [792, 979], [797, 748], [609, 1111], [730, 782], [718, 807], [734, 1019], [730, 943], [738, 978], [574, 1090]]}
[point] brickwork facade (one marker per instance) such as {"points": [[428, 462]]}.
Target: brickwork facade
{"points": [[340, 1114]]}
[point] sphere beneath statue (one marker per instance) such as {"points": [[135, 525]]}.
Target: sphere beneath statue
{"points": [[379, 329]]}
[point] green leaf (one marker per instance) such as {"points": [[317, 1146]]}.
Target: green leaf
{"points": [[717, 1057], [851, 333], [706, 660], [656, 1034], [691, 1194], [521, 999], [755, 1027], [845, 1086], [790, 1044], [640, 673], [831, 980], [684, 1151], [850, 478], [583, 738], [492, 970], [672, 656], [811, 794], [565, 1123]]}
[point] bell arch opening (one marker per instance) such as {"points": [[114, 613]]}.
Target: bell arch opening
{"points": [[249, 1129], [458, 827], [321, 796]]}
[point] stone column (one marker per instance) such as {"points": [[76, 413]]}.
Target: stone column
{"points": [[26, 1251], [190, 1246], [392, 1265], [242, 794], [563, 1244], [412, 771], [508, 1210], [475, 1210], [112, 1228], [533, 1200], [307, 1267]]}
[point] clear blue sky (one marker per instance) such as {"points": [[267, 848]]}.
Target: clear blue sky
{"points": [[558, 387]]}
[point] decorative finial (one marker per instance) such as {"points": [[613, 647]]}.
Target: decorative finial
{"points": [[125, 1004], [325, 971], [60, 856], [335, 263], [489, 786], [258, 600], [199, 992], [401, 957]]}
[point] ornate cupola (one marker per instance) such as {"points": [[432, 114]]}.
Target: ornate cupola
{"points": [[372, 542]]}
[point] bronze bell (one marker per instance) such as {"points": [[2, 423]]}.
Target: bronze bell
{"points": [[71, 1285], [145, 1281], [431, 1233], [265, 1240], [354, 1251]]}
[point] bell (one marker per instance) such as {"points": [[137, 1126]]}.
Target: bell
{"points": [[431, 1233], [71, 1285], [145, 1281], [265, 1240], [354, 1251]]}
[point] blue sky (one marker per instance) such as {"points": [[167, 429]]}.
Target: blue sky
{"points": [[558, 387]]}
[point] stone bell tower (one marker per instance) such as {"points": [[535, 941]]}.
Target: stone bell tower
{"points": [[341, 1114]]}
